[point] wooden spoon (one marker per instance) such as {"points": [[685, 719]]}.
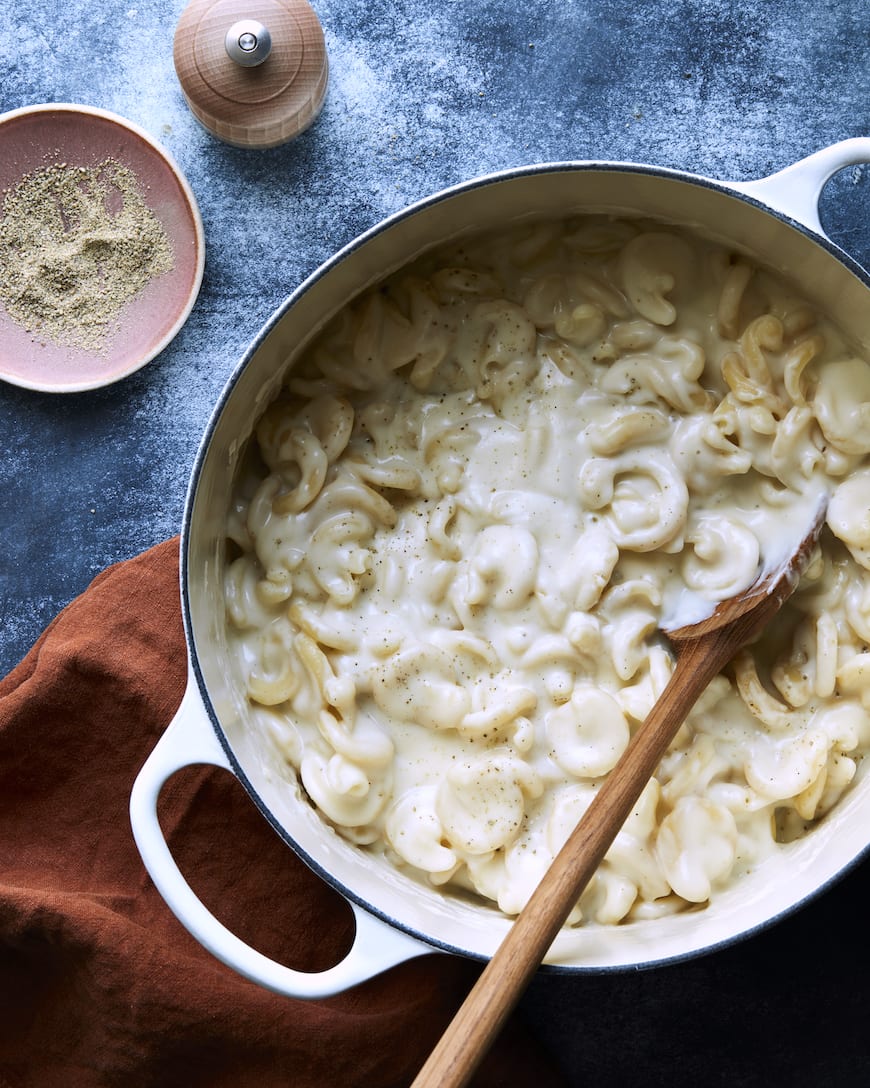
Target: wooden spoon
{"points": [[702, 650]]}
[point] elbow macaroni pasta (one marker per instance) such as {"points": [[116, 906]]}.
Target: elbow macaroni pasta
{"points": [[461, 525]]}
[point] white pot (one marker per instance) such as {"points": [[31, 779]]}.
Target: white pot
{"points": [[776, 222]]}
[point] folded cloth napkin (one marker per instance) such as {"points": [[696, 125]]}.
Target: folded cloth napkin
{"points": [[99, 984]]}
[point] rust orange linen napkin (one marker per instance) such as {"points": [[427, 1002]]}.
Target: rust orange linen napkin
{"points": [[99, 984]]}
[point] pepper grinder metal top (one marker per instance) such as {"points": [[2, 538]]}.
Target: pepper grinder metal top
{"points": [[253, 73], [248, 43]]}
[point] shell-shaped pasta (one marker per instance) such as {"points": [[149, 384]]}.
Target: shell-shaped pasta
{"points": [[507, 354], [826, 655], [585, 324], [794, 455], [589, 733], [626, 638], [696, 846], [440, 521], [336, 556], [599, 234], [481, 801], [554, 658], [568, 806], [332, 630], [525, 863], [245, 606], [792, 673], [784, 767], [391, 472], [584, 633], [577, 307], [282, 732], [842, 405], [387, 339], [452, 281], [592, 561], [608, 897], [634, 335], [848, 515], [415, 832], [343, 790], [641, 494], [420, 685], [853, 677], [746, 370], [496, 707], [838, 775], [362, 741], [847, 724], [796, 361], [692, 771], [724, 557], [279, 555], [652, 265], [669, 373], [502, 569], [327, 417], [733, 289], [857, 608], [338, 691], [277, 674], [624, 428], [303, 450], [758, 700], [445, 444], [632, 852], [344, 519], [703, 453], [637, 699]]}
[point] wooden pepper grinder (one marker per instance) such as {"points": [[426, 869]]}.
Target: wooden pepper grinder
{"points": [[253, 72]]}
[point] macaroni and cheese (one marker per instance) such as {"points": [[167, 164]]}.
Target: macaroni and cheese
{"points": [[483, 492]]}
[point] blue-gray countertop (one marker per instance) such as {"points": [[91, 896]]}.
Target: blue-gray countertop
{"points": [[423, 95]]}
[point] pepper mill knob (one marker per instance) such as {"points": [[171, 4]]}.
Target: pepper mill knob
{"points": [[248, 43], [254, 77]]}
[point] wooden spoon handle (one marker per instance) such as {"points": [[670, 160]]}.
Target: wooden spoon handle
{"points": [[502, 982]]}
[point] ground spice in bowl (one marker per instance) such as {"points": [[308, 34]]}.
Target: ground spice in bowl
{"points": [[77, 243]]}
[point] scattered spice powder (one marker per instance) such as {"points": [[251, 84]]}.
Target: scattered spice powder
{"points": [[77, 243]]}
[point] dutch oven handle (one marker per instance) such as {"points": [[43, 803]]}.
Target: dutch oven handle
{"points": [[190, 739], [796, 190]]}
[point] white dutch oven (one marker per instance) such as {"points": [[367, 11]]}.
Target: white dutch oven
{"points": [[775, 221]]}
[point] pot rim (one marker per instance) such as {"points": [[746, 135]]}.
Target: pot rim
{"points": [[325, 268]]}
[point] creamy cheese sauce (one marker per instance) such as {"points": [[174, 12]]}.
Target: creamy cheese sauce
{"points": [[480, 497]]}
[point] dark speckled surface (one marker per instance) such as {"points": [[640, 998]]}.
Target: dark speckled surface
{"points": [[424, 94]]}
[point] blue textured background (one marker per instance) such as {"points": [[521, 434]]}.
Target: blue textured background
{"points": [[422, 95]]}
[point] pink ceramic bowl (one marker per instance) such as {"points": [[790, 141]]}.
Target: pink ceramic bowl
{"points": [[35, 137]]}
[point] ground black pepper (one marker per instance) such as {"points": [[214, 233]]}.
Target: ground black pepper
{"points": [[77, 243]]}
